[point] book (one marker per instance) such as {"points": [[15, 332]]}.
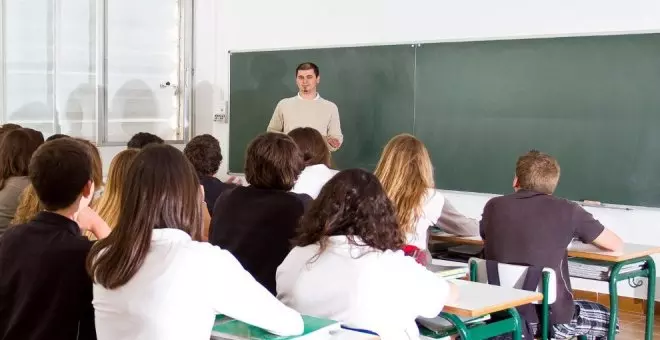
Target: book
{"points": [[231, 329], [448, 272]]}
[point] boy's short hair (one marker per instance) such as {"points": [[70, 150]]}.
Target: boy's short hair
{"points": [[142, 139], [273, 161], [538, 171], [204, 153], [59, 170]]}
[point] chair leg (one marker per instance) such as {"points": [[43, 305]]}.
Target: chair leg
{"points": [[582, 337]]}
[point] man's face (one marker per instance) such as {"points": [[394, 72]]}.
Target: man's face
{"points": [[307, 81]]}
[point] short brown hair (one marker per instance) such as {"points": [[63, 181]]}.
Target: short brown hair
{"points": [[273, 161], [59, 170], [312, 145], [537, 171], [354, 204], [16, 149], [97, 162], [204, 153], [308, 66]]}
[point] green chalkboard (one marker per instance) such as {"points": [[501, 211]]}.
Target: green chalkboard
{"points": [[593, 102], [372, 87]]}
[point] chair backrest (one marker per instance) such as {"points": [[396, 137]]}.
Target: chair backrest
{"points": [[513, 276]]}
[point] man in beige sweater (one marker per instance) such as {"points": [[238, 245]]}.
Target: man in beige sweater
{"points": [[308, 109]]}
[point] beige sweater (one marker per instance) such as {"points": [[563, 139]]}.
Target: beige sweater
{"points": [[318, 113]]}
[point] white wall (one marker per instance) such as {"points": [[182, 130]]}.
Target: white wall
{"points": [[226, 25]]}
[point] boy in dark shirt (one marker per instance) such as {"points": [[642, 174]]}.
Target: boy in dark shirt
{"points": [[45, 292], [534, 228]]}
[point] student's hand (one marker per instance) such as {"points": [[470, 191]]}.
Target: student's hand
{"points": [[89, 220], [234, 180], [334, 142]]}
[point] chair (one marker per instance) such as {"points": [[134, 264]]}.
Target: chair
{"points": [[513, 276]]}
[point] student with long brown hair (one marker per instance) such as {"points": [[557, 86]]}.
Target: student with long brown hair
{"points": [[154, 280], [109, 204], [347, 265], [316, 156], [16, 149], [406, 172]]}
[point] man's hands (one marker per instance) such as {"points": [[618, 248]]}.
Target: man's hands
{"points": [[334, 142]]}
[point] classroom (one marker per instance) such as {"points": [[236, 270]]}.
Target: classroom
{"points": [[473, 87]]}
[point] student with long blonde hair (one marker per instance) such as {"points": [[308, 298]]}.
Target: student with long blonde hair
{"points": [[406, 172], [109, 204]]}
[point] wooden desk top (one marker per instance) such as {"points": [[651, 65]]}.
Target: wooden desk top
{"points": [[478, 299], [576, 249]]}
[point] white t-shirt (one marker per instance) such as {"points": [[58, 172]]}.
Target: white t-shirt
{"points": [[431, 211], [179, 289], [360, 287], [312, 179]]}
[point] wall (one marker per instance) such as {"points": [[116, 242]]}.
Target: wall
{"points": [[233, 25]]}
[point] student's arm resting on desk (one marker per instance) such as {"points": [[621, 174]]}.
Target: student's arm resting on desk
{"points": [[334, 130], [423, 289], [235, 293], [453, 222], [590, 230], [277, 121]]}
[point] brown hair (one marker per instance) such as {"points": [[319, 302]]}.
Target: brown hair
{"points": [[8, 127], [308, 66], [97, 163], [16, 149], [537, 171], [204, 153], [406, 172], [353, 204], [59, 171], [109, 204], [312, 145], [273, 161], [28, 206], [161, 190]]}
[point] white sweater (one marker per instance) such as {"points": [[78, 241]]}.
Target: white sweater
{"points": [[312, 179], [179, 289]]}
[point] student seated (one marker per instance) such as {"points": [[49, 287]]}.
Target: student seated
{"points": [[347, 265], [532, 227], [109, 205], [154, 280], [16, 149], [45, 292], [205, 155], [256, 223], [142, 139], [406, 172], [29, 206], [316, 155]]}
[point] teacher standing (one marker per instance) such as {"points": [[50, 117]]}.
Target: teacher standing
{"points": [[308, 109]]}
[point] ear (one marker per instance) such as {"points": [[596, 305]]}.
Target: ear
{"points": [[88, 190], [516, 184], [318, 79]]}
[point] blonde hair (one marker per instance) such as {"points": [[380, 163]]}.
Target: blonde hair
{"points": [[538, 171], [406, 173], [28, 206], [110, 202]]}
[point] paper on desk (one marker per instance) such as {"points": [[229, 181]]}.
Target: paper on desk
{"points": [[579, 246]]}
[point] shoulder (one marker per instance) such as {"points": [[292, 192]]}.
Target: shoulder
{"points": [[328, 103], [287, 101]]}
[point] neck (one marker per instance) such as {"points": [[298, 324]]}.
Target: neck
{"points": [[69, 213], [308, 95]]}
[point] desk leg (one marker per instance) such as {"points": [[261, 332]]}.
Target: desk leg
{"points": [[650, 298], [614, 301]]}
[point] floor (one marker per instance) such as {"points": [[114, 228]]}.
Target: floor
{"points": [[633, 325]]}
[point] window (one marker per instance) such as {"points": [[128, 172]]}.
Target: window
{"points": [[97, 69]]}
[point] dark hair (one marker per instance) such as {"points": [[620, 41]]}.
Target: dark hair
{"points": [[59, 171], [36, 135], [142, 139], [8, 127], [97, 162], [16, 149], [161, 190], [204, 153], [353, 203], [312, 145], [56, 136], [308, 66], [273, 161]]}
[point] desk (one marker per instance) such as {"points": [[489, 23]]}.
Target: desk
{"points": [[479, 299], [631, 253]]}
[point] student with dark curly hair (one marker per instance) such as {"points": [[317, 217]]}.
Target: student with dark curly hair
{"points": [[142, 139], [205, 155], [347, 265]]}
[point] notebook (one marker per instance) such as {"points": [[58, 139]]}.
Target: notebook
{"points": [[229, 329]]}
